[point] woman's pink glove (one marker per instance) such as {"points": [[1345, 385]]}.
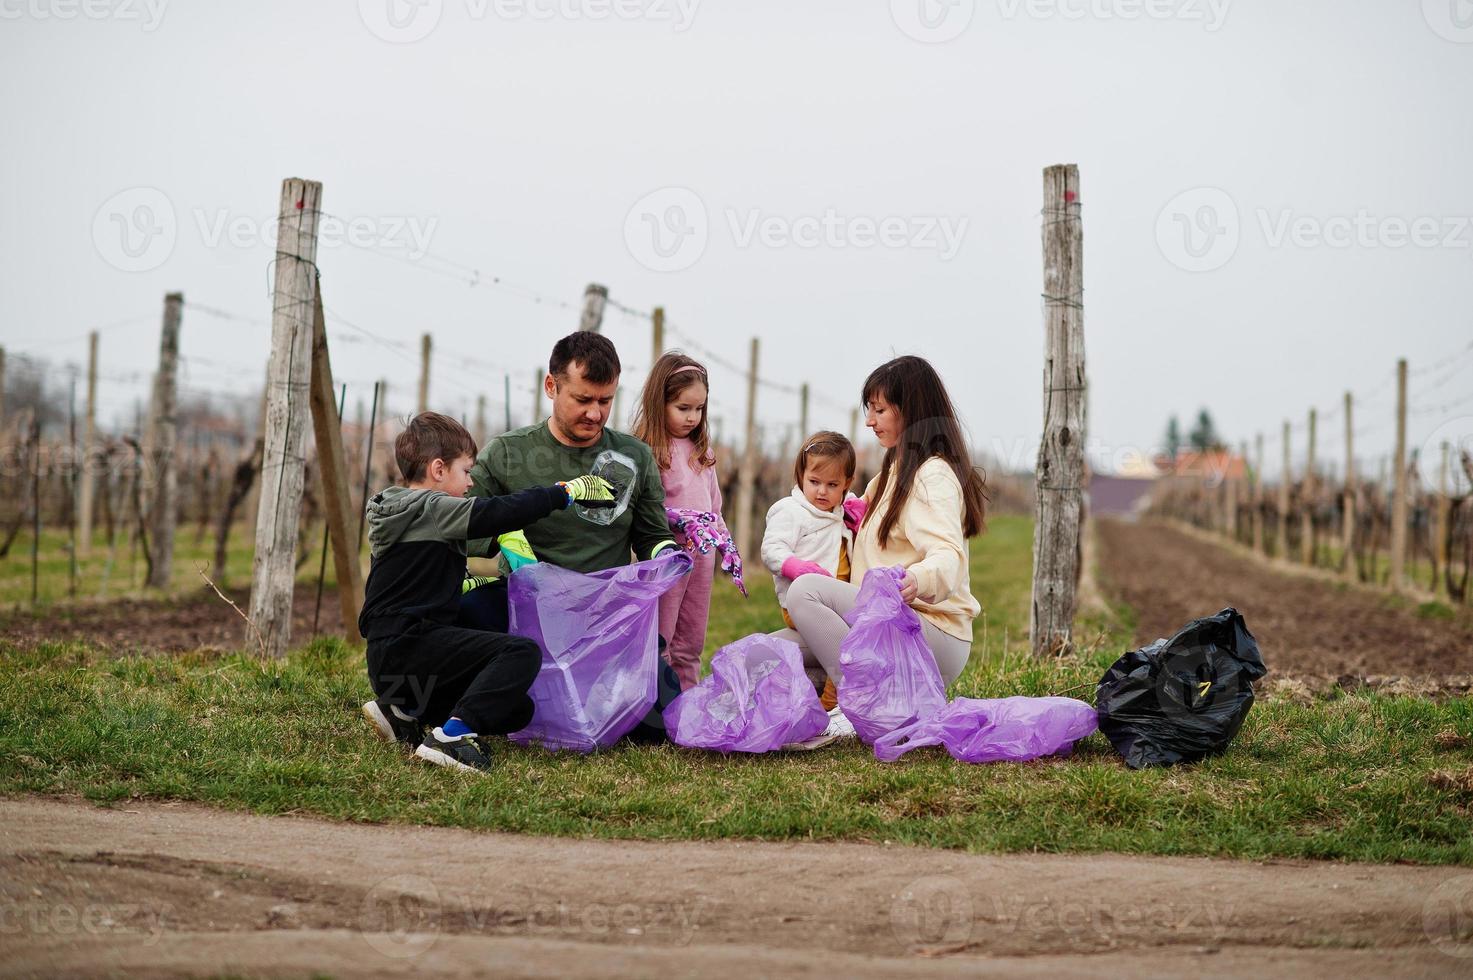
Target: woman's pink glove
{"points": [[793, 566], [854, 509]]}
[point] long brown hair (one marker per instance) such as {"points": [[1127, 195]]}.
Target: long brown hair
{"points": [[931, 428], [673, 373]]}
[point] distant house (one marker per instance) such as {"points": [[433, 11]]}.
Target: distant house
{"points": [[1212, 467]]}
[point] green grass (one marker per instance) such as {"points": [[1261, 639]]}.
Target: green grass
{"points": [[1345, 778], [109, 573]]}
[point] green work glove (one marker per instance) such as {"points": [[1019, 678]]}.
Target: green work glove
{"points": [[590, 491], [515, 551], [471, 582]]}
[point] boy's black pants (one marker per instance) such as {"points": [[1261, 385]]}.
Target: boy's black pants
{"points": [[432, 672]]}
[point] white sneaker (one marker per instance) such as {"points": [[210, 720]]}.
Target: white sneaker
{"points": [[839, 727]]}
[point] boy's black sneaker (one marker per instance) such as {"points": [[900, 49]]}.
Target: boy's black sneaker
{"points": [[457, 752], [390, 727]]}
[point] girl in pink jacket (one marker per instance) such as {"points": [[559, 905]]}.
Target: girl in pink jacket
{"points": [[672, 421]]}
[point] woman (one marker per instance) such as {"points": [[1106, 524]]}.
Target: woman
{"points": [[925, 503]]}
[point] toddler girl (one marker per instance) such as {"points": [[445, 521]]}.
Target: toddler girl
{"points": [[811, 531]]}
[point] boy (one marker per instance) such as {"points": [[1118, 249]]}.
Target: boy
{"points": [[425, 670]]}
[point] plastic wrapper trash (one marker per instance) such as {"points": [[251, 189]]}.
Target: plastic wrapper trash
{"points": [[1181, 699], [621, 473], [756, 699], [996, 729], [890, 675], [599, 636]]}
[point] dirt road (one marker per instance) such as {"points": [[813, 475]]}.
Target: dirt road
{"points": [[168, 889], [1304, 626]]}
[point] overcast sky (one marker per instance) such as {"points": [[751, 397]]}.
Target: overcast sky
{"points": [[1276, 197]]}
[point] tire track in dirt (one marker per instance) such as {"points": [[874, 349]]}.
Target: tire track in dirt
{"points": [[170, 889]]}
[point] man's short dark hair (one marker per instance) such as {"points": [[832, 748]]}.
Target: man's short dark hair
{"points": [[430, 436], [593, 351]]}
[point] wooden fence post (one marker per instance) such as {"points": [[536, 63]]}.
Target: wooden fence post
{"points": [[1259, 542], [89, 451], [424, 373], [1347, 521], [163, 508], [2, 388], [1306, 518], [537, 378], [1282, 549], [480, 433], [332, 468], [595, 297], [803, 411], [657, 334], [1441, 549], [747, 475], [1059, 475], [1399, 483], [282, 472]]}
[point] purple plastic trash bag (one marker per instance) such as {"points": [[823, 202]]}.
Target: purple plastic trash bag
{"points": [[599, 636], [756, 699], [890, 675], [996, 730]]}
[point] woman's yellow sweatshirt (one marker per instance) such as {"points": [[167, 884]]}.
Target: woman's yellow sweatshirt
{"points": [[928, 541]]}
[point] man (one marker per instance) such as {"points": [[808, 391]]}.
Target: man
{"points": [[582, 377]]}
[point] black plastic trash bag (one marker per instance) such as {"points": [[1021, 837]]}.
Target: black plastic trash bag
{"points": [[1180, 699]]}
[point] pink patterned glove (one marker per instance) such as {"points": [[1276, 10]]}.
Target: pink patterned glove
{"points": [[854, 510], [793, 566]]}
